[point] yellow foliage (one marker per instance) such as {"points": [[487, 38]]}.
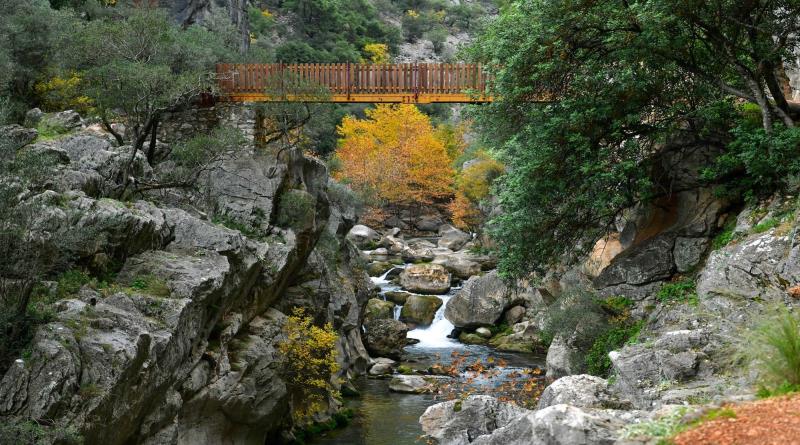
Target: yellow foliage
{"points": [[266, 13], [439, 16], [378, 52], [308, 355], [412, 13], [475, 181], [473, 185], [61, 93], [394, 156], [466, 214]]}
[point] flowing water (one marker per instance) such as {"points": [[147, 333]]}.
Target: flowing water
{"points": [[386, 418]]}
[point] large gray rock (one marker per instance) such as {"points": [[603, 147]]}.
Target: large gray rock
{"points": [[15, 136], [363, 237], [66, 120], [420, 309], [651, 261], [688, 252], [582, 391], [452, 238], [458, 422], [458, 265], [562, 425], [756, 267], [425, 279], [482, 301], [563, 358], [385, 338]]}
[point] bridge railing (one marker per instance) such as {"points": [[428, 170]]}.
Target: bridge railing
{"points": [[345, 79]]}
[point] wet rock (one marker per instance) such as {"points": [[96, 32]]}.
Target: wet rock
{"points": [[483, 332], [425, 279], [470, 338], [382, 366], [413, 384], [378, 268], [420, 309], [511, 343], [452, 238], [378, 309], [459, 422], [582, 391], [363, 237], [397, 297], [385, 337], [482, 301]]}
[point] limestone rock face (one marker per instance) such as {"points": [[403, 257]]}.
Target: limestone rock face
{"points": [[562, 358], [425, 279], [385, 337], [483, 299], [420, 309], [192, 357]]}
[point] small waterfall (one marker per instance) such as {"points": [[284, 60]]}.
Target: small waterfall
{"points": [[435, 335]]}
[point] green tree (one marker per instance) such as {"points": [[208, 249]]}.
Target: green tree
{"points": [[138, 65], [618, 80]]}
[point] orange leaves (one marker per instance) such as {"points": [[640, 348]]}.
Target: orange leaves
{"points": [[394, 156]]}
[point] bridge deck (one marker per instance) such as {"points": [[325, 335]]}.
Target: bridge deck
{"points": [[344, 82]]}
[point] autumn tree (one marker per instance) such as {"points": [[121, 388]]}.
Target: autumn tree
{"points": [[394, 157], [472, 187]]}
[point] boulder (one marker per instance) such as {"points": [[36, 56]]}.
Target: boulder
{"points": [[511, 343], [425, 279], [482, 301], [413, 384], [385, 337], [397, 297], [562, 425], [470, 338], [483, 332], [582, 391], [378, 309], [67, 120], [420, 309], [17, 136], [647, 262], [363, 237], [382, 366], [688, 252], [459, 422], [32, 117], [562, 358], [514, 315], [428, 223], [378, 268], [452, 238], [458, 265]]}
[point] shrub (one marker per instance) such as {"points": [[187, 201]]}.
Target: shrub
{"points": [[30, 432], [308, 358], [766, 225], [774, 348], [725, 236], [296, 210], [597, 361], [681, 291], [575, 310]]}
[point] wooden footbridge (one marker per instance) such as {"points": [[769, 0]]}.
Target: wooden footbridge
{"points": [[419, 83]]}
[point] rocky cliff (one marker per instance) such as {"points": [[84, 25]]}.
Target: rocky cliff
{"points": [[180, 345]]}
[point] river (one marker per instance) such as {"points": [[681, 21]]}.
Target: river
{"points": [[387, 418]]}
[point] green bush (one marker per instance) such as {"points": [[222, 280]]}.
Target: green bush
{"points": [[725, 236], [681, 291], [766, 225], [296, 210], [70, 282], [597, 361], [774, 348], [30, 432], [152, 285]]}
